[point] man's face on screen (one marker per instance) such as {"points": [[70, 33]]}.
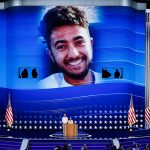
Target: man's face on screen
{"points": [[71, 48]]}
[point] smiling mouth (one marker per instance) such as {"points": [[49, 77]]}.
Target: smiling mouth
{"points": [[75, 62]]}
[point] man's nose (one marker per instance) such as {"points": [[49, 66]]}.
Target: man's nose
{"points": [[73, 52]]}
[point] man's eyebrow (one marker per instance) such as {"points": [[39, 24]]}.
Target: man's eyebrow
{"points": [[78, 38], [59, 41]]}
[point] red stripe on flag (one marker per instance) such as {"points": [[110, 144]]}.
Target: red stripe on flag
{"points": [[131, 113], [147, 115], [9, 114]]}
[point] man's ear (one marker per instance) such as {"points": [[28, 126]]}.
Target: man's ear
{"points": [[50, 54]]}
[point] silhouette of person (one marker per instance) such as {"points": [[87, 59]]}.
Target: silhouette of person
{"points": [[34, 73], [105, 73], [117, 74], [24, 73]]}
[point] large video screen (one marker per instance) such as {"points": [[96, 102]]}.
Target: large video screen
{"points": [[90, 62]]}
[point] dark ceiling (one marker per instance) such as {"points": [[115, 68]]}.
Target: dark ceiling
{"points": [[3, 0]]}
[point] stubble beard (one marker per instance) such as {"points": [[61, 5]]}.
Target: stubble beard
{"points": [[74, 76]]}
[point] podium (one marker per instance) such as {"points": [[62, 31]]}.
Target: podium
{"points": [[70, 130]]}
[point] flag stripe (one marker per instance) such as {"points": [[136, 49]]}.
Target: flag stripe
{"points": [[147, 115], [131, 113], [9, 114]]}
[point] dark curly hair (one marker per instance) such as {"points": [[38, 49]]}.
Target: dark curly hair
{"points": [[59, 16]]}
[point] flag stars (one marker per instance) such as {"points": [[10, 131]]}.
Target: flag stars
{"points": [[90, 116], [110, 117], [95, 111], [120, 116], [25, 122], [20, 127], [40, 127], [100, 122], [20, 122], [90, 122], [75, 121], [40, 122], [30, 122], [105, 122], [105, 111], [95, 122], [45, 122], [80, 122], [115, 111], [35, 122], [85, 116], [105, 116], [110, 122], [136, 125], [100, 111], [95, 116], [115, 116], [85, 122], [120, 122], [115, 122], [25, 127], [100, 116]]}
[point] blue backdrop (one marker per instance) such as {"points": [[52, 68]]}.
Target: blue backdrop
{"points": [[119, 42]]}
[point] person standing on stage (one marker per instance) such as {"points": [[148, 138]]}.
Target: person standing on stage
{"points": [[64, 122]]}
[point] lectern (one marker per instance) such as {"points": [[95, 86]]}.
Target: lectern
{"points": [[70, 130]]}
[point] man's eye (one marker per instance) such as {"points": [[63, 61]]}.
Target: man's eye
{"points": [[61, 47], [79, 42]]}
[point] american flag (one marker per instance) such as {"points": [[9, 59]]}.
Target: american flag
{"points": [[131, 113], [9, 113], [147, 115]]}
